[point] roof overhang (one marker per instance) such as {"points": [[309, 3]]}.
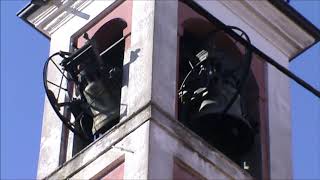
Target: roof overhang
{"points": [[300, 20], [50, 15], [25, 12], [277, 21]]}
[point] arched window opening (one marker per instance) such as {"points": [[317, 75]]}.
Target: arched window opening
{"points": [[84, 84], [211, 67], [96, 72], [109, 45]]}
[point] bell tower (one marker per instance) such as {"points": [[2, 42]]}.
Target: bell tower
{"points": [[167, 89]]}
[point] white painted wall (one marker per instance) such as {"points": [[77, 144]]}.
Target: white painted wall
{"points": [[139, 74], [52, 126]]}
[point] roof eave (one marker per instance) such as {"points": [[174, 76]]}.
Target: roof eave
{"points": [[28, 10], [300, 20]]}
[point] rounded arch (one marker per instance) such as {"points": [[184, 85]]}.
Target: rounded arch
{"points": [[191, 25], [222, 40], [193, 40], [109, 33]]}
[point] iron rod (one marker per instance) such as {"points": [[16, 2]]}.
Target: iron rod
{"points": [[60, 70], [57, 85], [266, 58], [114, 44], [60, 86]]}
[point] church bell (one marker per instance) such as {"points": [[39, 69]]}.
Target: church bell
{"points": [[210, 98], [95, 84]]}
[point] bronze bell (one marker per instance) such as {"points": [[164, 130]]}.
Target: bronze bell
{"points": [[96, 86], [229, 132], [212, 86], [101, 95], [103, 105]]}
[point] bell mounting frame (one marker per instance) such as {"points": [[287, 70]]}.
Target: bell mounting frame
{"points": [[69, 102], [247, 58], [65, 113]]}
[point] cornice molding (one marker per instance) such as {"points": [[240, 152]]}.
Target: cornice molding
{"points": [[272, 25], [56, 13]]}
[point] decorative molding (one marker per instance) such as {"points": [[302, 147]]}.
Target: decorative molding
{"points": [[272, 25], [56, 13]]}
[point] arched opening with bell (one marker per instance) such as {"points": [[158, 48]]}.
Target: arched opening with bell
{"points": [[220, 89], [85, 91]]}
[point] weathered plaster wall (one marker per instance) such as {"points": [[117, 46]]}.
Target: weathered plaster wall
{"points": [[170, 140], [52, 126], [119, 136], [164, 63], [135, 157], [138, 60], [136, 92]]}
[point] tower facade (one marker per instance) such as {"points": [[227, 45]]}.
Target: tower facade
{"points": [[148, 41]]}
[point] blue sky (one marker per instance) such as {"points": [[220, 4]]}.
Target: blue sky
{"points": [[23, 52]]}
